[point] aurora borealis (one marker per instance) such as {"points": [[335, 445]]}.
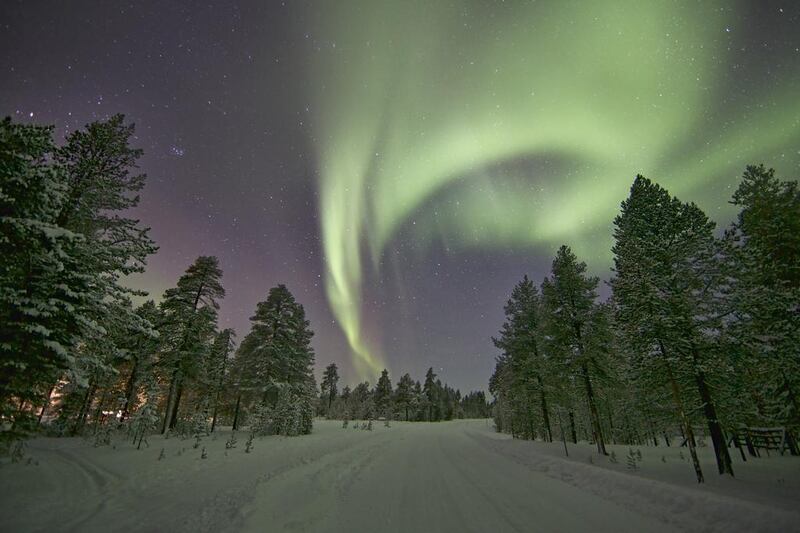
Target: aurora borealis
{"points": [[522, 126], [400, 165]]}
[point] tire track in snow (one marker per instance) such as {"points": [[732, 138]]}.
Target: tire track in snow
{"points": [[230, 509], [100, 487]]}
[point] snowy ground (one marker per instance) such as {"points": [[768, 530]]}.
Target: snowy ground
{"points": [[450, 476]]}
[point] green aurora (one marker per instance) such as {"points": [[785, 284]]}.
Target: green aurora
{"points": [[523, 125]]}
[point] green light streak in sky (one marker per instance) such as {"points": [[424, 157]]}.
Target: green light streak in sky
{"points": [[424, 111]]}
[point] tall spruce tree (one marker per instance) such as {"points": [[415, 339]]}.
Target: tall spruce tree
{"points": [[569, 300], [276, 359], [330, 379], [101, 185], [141, 355], [430, 392], [765, 263], [49, 303], [404, 395], [521, 343], [383, 395], [664, 286], [190, 311]]}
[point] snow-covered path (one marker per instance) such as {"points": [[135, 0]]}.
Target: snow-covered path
{"points": [[454, 476], [429, 477]]}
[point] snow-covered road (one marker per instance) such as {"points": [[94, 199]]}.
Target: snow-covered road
{"points": [[454, 476], [429, 477]]}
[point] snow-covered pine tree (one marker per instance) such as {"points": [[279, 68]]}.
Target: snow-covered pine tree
{"points": [[145, 419], [430, 395], [474, 405], [217, 368], [141, 351], [403, 395], [260, 419], [101, 186], [520, 340], [765, 266], [48, 303], [664, 287], [190, 311], [418, 401], [274, 363], [330, 379], [307, 395], [383, 395], [573, 323]]}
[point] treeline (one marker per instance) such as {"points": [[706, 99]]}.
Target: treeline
{"points": [[410, 400], [75, 351], [700, 330]]}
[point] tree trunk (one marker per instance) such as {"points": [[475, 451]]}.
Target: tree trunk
{"points": [[610, 424], [545, 414], [98, 413], [563, 435], [652, 429], [596, 430], [687, 427], [530, 425], [573, 433], [178, 394], [170, 400], [236, 412], [724, 464], [46, 404], [214, 415], [219, 390], [130, 391], [85, 406]]}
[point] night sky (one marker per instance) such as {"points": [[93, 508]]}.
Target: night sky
{"points": [[400, 166]]}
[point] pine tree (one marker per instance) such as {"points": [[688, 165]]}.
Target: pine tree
{"points": [[569, 298], [474, 405], [362, 401], [404, 395], [330, 379], [48, 303], [101, 185], [141, 352], [418, 401], [274, 363], [664, 287], [146, 418], [217, 368], [521, 344], [383, 395], [430, 394], [765, 264], [190, 311]]}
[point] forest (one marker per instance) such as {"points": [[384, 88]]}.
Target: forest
{"points": [[78, 357], [700, 333], [698, 339]]}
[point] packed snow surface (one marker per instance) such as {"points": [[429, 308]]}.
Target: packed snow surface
{"points": [[449, 476]]}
